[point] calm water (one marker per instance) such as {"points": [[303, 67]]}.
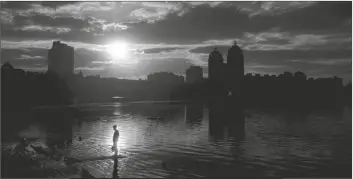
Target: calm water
{"points": [[195, 140]]}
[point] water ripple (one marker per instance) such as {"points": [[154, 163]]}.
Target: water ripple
{"points": [[186, 142]]}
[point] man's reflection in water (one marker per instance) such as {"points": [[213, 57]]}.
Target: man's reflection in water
{"points": [[115, 168], [226, 116]]}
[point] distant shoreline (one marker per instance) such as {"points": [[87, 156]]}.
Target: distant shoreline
{"points": [[172, 102], [106, 104]]}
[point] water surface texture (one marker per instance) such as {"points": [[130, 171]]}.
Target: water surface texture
{"points": [[198, 140]]}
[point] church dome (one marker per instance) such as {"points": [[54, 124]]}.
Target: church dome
{"points": [[7, 65], [215, 53]]}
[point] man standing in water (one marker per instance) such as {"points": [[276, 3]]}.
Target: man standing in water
{"points": [[115, 140]]}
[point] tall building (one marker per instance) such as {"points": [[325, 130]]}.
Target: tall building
{"points": [[227, 77], [194, 74], [215, 66], [235, 69], [61, 59]]}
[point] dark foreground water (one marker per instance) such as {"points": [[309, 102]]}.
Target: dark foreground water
{"points": [[193, 140]]}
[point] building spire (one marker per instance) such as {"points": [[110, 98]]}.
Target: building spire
{"points": [[235, 42]]}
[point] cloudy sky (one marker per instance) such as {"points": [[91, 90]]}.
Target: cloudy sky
{"points": [[313, 37]]}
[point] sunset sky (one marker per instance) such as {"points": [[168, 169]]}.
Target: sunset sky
{"points": [[133, 39]]}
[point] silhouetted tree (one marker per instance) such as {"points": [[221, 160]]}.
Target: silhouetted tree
{"points": [[22, 89]]}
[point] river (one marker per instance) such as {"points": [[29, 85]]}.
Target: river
{"points": [[194, 140]]}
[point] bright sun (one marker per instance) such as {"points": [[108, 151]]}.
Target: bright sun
{"points": [[118, 49]]}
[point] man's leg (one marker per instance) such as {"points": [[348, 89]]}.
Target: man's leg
{"points": [[115, 148]]}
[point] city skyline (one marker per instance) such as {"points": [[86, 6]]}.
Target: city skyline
{"points": [[312, 37]]}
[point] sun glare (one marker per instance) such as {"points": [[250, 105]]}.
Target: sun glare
{"points": [[118, 50]]}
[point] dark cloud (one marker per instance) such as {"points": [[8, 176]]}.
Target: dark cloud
{"points": [[281, 56], [58, 28], [24, 57], [321, 16], [205, 22], [208, 49], [55, 4], [32, 57], [16, 5], [84, 57], [320, 50], [30, 63], [43, 20], [30, 35], [72, 35], [27, 5], [202, 22], [13, 54], [9, 54], [159, 50], [170, 65]]}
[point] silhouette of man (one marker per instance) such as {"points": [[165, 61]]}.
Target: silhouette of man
{"points": [[115, 140]]}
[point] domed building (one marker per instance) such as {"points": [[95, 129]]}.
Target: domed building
{"points": [[235, 58], [215, 66], [235, 69], [300, 75], [227, 77], [194, 74], [7, 66]]}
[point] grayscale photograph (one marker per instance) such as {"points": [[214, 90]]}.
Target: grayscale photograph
{"points": [[176, 89]]}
